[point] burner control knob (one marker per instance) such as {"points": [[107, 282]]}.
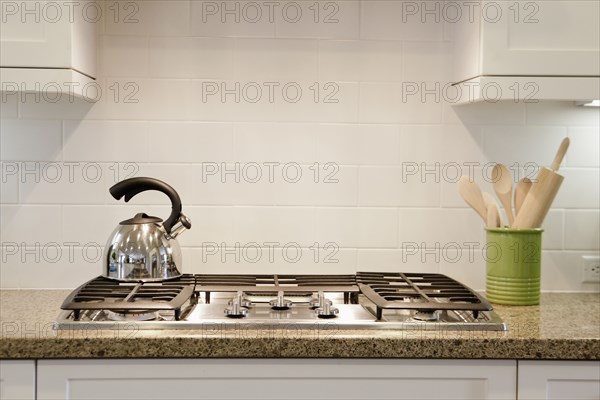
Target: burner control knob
{"points": [[280, 303], [327, 311], [240, 300], [236, 309], [319, 301]]}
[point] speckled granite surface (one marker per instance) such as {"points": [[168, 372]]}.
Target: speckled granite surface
{"points": [[564, 326]]}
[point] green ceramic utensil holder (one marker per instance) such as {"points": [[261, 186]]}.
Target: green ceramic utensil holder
{"points": [[513, 260]]}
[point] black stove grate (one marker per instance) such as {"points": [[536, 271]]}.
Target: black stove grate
{"points": [[128, 297], [419, 291], [271, 284]]}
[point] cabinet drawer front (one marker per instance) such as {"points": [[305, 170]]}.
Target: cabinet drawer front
{"points": [[559, 380], [17, 379], [277, 379]]}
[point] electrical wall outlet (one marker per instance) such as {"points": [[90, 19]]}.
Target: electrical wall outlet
{"points": [[591, 269]]}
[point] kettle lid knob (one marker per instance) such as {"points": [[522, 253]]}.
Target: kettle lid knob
{"points": [[141, 218]]}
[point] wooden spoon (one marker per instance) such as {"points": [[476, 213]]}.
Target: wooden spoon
{"points": [[471, 194], [521, 191], [493, 216], [503, 187], [490, 202]]}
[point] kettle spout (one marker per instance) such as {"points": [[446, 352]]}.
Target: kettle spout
{"points": [[182, 224]]}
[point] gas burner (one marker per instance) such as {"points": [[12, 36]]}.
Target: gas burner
{"points": [[238, 306], [327, 311], [427, 315], [319, 301], [132, 315], [280, 303], [241, 300]]}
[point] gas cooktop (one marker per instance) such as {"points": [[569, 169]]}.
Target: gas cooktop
{"points": [[367, 300]]}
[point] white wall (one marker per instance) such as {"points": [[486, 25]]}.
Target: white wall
{"points": [[373, 137]]}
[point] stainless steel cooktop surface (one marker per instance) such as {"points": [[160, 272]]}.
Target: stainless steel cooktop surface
{"points": [[333, 302]]}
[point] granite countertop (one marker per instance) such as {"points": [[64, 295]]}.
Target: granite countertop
{"points": [[563, 326]]}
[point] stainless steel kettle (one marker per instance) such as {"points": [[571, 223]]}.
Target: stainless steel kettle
{"points": [[144, 248]]}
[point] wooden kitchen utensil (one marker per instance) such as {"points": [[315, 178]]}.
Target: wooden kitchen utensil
{"points": [[471, 194], [493, 216], [521, 190], [542, 193], [502, 180], [490, 202]]}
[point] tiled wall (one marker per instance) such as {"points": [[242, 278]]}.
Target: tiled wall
{"points": [[377, 187]]}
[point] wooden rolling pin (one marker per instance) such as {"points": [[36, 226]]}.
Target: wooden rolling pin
{"points": [[542, 193]]}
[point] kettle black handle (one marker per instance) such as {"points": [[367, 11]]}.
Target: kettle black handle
{"points": [[132, 186]]}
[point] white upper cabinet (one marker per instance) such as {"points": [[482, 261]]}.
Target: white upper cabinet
{"points": [[48, 45], [552, 45]]}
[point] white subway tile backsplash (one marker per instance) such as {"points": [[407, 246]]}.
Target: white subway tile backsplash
{"points": [[321, 185], [268, 260], [9, 105], [105, 141], [392, 20], [124, 56], [357, 227], [273, 142], [50, 266], [23, 140], [70, 182], [522, 145], [328, 131], [440, 228], [214, 100], [466, 266], [364, 60], [325, 20], [317, 101], [358, 144], [94, 223], [582, 230], [275, 60], [157, 17], [396, 187], [448, 147], [9, 184], [427, 62], [187, 142], [554, 228], [30, 224], [395, 260], [584, 149], [191, 57], [180, 176], [127, 17], [210, 225], [232, 19], [563, 271], [392, 103], [289, 225], [580, 189]]}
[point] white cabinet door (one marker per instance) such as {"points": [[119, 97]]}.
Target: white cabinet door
{"points": [[541, 38], [559, 380], [17, 379], [280, 379], [48, 45], [34, 34]]}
